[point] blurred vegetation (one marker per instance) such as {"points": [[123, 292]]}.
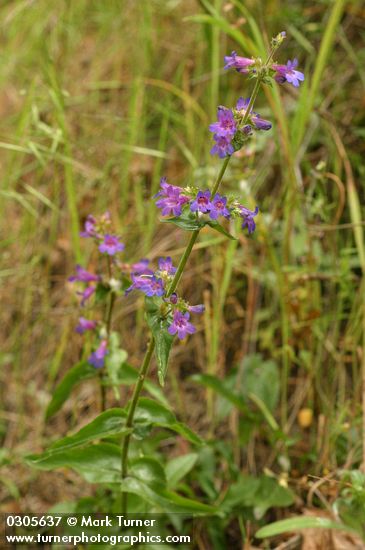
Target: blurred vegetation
{"points": [[99, 99]]}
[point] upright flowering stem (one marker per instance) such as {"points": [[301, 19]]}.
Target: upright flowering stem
{"points": [[148, 356]]}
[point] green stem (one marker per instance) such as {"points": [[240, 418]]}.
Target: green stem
{"points": [[148, 356], [129, 422]]}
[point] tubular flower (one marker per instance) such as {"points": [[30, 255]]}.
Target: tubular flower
{"points": [[149, 285], [181, 325], [111, 245], [241, 64], [83, 276], [248, 218], [141, 267], [84, 325], [226, 125], [97, 358], [219, 207], [172, 199], [287, 73], [89, 228], [202, 202], [258, 122], [165, 265], [223, 146]]}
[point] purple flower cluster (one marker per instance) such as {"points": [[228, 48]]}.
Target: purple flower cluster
{"points": [[215, 207], [233, 127], [200, 202], [99, 229], [149, 282], [156, 284], [281, 73]]}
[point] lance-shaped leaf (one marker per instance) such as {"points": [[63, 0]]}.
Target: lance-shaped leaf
{"points": [[110, 422], [153, 413], [158, 323], [218, 227], [78, 373], [186, 221], [100, 463]]}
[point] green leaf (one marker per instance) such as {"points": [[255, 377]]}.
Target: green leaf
{"points": [[163, 340], [259, 493], [163, 499], [261, 378], [148, 470], [152, 412], [178, 467], [100, 463], [110, 422], [190, 223], [78, 373], [217, 227], [300, 522]]}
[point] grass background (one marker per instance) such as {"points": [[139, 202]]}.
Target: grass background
{"points": [[99, 99]]}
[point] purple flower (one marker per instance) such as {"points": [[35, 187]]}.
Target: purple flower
{"points": [[196, 309], [89, 228], [83, 276], [201, 202], [223, 146], [84, 325], [111, 245], [258, 122], [165, 264], [86, 294], [141, 267], [241, 64], [226, 125], [150, 286], [219, 207], [97, 358], [172, 199], [287, 73], [181, 325], [248, 218]]}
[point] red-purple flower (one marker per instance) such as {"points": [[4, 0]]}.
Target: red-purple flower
{"points": [[165, 265], [248, 218], [84, 325], [111, 245], [258, 122], [181, 325], [97, 358], [287, 73], [218, 207], [241, 64], [226, 125], [171, 199], [201, 203], [223, 146]]}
